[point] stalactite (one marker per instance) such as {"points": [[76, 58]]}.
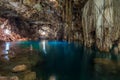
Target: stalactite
{"points": [[87, 24], [98, 17], [68, 18], [116, 19]]}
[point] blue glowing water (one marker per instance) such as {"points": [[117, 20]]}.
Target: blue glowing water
{"points": [[72, 61]]}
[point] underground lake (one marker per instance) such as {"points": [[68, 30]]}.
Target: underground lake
{"points": [[56, 60]]}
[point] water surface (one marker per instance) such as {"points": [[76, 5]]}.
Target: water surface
{"points": [[70, 61]]}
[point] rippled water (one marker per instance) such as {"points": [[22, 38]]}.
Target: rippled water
{"points": [[70, 61]]}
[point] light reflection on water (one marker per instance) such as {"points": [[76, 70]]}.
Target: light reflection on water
{"points": [[5, 52], [7, 45], [71, 61], [44, 46]]}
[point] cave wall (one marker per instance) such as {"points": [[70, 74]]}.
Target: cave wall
{"points": [[61, 18], [30, 18], [100, 22]]}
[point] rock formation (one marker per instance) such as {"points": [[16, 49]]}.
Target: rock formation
{"points": [[27, 19], [93, 22], [101, 23]]}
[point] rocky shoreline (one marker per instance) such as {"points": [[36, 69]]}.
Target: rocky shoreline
{"points": [[20, 66]]}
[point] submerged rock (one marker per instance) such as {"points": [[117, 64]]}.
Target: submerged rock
{"points": [[30, 76], [19, 68], [9, 78]]}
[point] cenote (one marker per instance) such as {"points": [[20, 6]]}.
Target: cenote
{"points": [[58, 60]]}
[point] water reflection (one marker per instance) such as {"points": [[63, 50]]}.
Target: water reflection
{"points": [[7, 45], [7, 48], [44, 46], [31, 47]]}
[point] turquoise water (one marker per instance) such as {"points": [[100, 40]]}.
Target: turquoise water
{"points": [[71, 61]]}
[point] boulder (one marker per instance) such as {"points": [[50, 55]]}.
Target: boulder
{"points": [[19, 68]]}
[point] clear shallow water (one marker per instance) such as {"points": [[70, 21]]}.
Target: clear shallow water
{"points": [[71, 61]]}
